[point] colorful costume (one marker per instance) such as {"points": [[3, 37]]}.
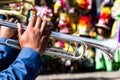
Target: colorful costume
{"points": [[102, 27]]}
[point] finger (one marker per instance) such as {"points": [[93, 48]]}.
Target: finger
{"points": [[32, 21], [48, 32], [43, 26], [38, 22], [11, 20], [20, 29], [49, 43], [46, 36], [16, 21], [45, 40]]}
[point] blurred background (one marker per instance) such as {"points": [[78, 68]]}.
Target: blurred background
{"points": [[96, 19]]}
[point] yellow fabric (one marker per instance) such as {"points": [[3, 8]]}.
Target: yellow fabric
{"points": [[114, 29], [71, 49]]}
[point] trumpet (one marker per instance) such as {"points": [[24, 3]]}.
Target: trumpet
{"points": [[108, 46]]}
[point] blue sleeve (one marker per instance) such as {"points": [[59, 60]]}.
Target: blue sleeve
{"points": [[4, 50], [26, 67], [7, 54]]}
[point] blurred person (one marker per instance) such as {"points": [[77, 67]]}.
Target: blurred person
{"points": [[103, 32], [34, 42], [101, 61]]}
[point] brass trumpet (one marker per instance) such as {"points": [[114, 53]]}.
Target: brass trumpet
{"points": [[20, 12], [108, 46], [16, 1]]}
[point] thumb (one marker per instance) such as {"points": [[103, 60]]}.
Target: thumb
{"points": [[20, 29]]}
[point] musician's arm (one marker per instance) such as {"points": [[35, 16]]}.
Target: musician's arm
{"points": [[7, 55], [25, 67]]}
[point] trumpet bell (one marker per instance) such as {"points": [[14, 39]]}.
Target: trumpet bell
{"points": [[108, 46]]}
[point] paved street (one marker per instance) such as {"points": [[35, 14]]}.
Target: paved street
{"points": [[82, 76]]}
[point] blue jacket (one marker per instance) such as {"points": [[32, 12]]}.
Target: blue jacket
{"points": [[27, 65]]}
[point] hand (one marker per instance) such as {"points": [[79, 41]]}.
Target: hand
{"points": [[7, 32], [35, 36]]}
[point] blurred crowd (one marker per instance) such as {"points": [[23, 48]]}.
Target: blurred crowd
{"points": [[96, 19]]}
